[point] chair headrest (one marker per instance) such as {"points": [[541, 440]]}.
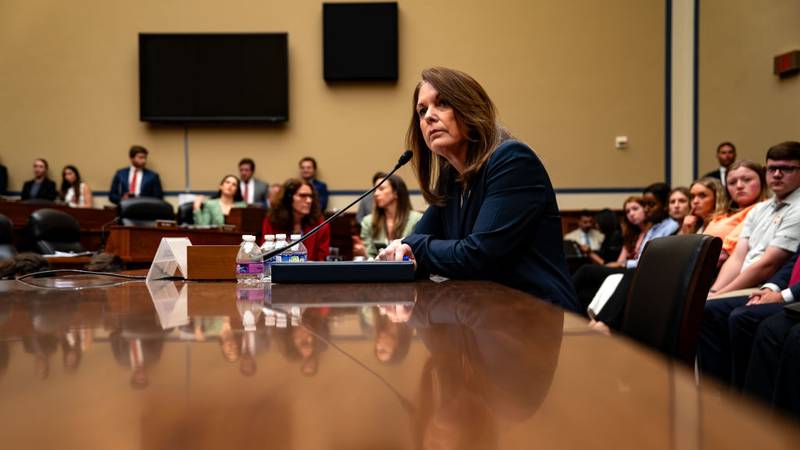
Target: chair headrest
{"points": [[146, 209], [53, 225]]}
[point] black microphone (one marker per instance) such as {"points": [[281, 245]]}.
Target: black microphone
{"points": [[404, 158]]}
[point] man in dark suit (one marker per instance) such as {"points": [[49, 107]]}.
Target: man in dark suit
{"points": [[40, 187], [136, 180], [726, 155], [775, 362], [253, 190], [308, 172], [782, 288]]}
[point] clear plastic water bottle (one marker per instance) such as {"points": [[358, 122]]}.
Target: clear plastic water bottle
{"points": [[298, 252], [249, 264], [266, 247], [280, 242]]}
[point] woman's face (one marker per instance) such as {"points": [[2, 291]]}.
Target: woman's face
{"points": [[385, 195], [703, 200], [69, 176], [634, 212], [301, 201], [229, 186], [653, 207], [744, 187], [678, 206], [442, 131]]}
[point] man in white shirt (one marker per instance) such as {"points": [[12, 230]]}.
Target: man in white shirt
{"points": [[586, 235], [770, 236], [253, 190]]}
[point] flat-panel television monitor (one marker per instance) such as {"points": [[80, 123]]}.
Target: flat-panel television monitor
{"points": [[359, 41], [213, 77]]}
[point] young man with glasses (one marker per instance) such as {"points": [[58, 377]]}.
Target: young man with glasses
{"points": [[770, 236]]}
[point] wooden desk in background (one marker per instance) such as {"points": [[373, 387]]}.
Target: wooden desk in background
{"points": [[139, 244], [91, 220]]}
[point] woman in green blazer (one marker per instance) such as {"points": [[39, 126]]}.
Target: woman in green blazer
{"points": [[214, 211]]}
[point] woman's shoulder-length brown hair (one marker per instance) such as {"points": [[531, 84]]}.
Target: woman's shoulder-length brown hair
{"points": [[473, 109]]}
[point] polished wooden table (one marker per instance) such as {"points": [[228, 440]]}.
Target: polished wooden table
{"points": [[393, 366]]}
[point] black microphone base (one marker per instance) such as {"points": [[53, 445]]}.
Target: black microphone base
{"points": [[343, 272]]}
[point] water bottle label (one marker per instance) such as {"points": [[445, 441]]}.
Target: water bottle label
{"points": [[249, 268], [250, 294]]}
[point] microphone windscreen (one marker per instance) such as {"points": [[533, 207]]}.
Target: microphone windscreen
{"points": [[405, 157]]}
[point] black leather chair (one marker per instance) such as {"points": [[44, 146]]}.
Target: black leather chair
{"points": [[668, 293], [51, 230], [7, 249], [144, 211], [186, 214]]}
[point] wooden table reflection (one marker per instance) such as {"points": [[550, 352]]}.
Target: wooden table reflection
{"points": [[418, 365]]}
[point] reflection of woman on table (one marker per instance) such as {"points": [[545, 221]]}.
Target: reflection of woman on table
{"points": [[391, 218], [214, 211], [492, 361], [493, 213]]}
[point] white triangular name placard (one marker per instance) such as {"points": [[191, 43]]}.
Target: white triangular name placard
{"points": [[170, 256]]}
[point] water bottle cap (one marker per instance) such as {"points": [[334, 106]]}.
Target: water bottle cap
{"points": [[294, 237], [269, 237], [280, 237], [248, 238]]}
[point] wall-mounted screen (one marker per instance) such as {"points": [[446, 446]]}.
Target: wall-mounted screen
{"points": [[213, 77], [360, 41]]}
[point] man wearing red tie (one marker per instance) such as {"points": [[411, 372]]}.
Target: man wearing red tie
{"points": [[136, 180]]}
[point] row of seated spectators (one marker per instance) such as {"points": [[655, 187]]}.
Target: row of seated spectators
{"points": [[747, 336]]}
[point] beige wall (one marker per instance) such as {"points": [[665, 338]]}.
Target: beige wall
{"points": [[740, 100], [567, 77]]}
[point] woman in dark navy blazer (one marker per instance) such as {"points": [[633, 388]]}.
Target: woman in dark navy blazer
{"points": [[493, 212]]}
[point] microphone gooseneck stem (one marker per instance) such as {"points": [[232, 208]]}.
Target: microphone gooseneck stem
{"points": [[403, 160]]}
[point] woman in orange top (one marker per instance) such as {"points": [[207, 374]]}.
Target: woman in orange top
{"points": [[747, 186]]}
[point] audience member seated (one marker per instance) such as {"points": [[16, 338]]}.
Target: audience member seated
{"points": [[308, 172], [392, 217], [136, 180], [588, 237], [297, 212], [655, 199], [254, 191], [588, 278], [366, 204], [41, 187], [214, 211], [74, 192], [774, 365], [726, 155], [707, 200], [771, 233], [747, 185], [608, 223], [679, 206]]}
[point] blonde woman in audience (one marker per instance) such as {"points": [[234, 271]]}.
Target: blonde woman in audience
{"points": [[747, 185], [679, 206], [392, 217], [707, 199], [74, 192]]}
